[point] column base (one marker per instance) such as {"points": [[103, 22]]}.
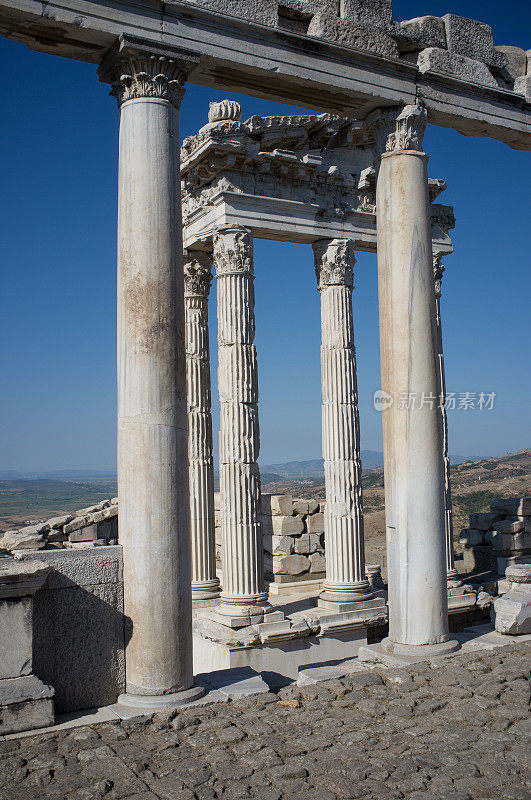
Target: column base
{"points": [[206, 590], [371, 604], [452, 579], [347, 596], [156, 702], [394, 654], [249, 611]]}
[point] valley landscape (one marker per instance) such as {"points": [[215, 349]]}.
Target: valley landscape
{"points": [[24, 500]]}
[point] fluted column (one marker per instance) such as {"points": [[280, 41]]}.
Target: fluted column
{"points": [[243, 598], [413, 463], [451, 572], [345, 583], [197, 280], [152, 408]]}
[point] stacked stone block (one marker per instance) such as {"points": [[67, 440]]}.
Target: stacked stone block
{"points": [[450, 45], [293, 539], [499, 537], [87, 527]]}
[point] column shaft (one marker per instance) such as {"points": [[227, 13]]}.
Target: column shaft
{"points": [[243, 597], [152, 410], [345, 558], [451, 572], [414, 473], [197, 279]]}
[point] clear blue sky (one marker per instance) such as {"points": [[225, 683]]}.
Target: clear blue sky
{"points": [[57, 325]]}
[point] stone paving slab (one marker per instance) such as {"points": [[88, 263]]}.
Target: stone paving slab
{"points": [[458, 728]]}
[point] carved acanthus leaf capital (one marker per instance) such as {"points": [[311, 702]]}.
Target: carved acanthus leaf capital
{"points": [[398, 129], [334, 262], [149, 75], [233, 251], [438, 269], [197, 273]]}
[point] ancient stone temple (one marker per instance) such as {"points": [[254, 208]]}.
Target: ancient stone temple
{"points": [[353, 176]]}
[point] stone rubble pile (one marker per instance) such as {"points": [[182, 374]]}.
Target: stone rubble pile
{"points": [[500, 537], [511, 612], [88, 527], [452, 45]]}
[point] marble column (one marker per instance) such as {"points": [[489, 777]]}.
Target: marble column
{"points": [[451, 572], [197, 280], [243, 598], [413, 464], [346, 583], [152, 407]]}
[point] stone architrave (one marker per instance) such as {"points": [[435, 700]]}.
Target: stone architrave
{"points": [[412, 426], [243, 598], [451, 572], [197, 280], [346, 583], [152, 405]]}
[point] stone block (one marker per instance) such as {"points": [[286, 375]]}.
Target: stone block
{"points": [[79, 644], [110, 512], [25, 539], [16, 635], [468, 37], [500, 541], [482, 522], [509, 526], [423, 32], [315, 523], [264, 12], [107, 529], [519, 573], [522, 542], [79, 626], [325, 25], [59, 522], [305, 507], [440, 61], [522, 86], [471, 537], [277, 505], [290, 565], [86, 534], [235, 683], [317, 562], [278, 545], [25, 703], [517, 506], [516, 60], [511, 613], [77, 522], [307, 543], [378, 13], [280, 526]]}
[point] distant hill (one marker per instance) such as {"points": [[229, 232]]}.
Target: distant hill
{"points": [[370, 459]]}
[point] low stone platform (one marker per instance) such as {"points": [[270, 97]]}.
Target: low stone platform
{"points": [[457, 730]]}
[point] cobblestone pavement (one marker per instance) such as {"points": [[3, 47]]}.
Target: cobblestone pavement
{"points": [[460, 731]]}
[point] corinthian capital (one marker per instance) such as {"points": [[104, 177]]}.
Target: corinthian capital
{"points": [[334, 262], [398, 129], [197, 273], [149, 76], [136, 68], [438, 269], [233, 251]]}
